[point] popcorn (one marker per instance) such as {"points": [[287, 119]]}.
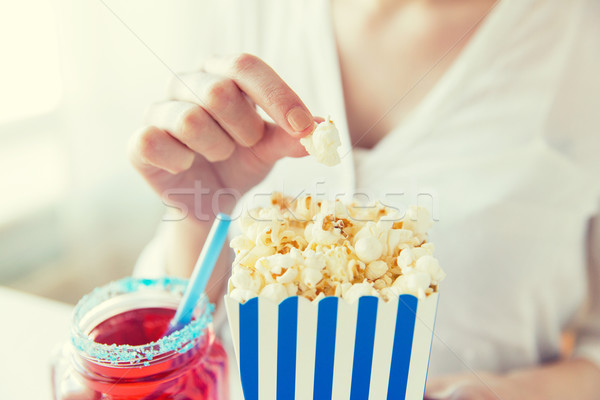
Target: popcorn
{"points": [[358, 290], [275, 292], [242, 295], [323, 142], [368, 249], [288, 276], [415, 283], [310, 277], [418, 220], [376, 269], [313, 260], [431, 267], [243, 279], [405, 260], [323, 248], [291, 288]]}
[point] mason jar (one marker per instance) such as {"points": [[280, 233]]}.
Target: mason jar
{"points": [[117, 349]]}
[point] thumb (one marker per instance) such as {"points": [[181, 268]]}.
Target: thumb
{"points": [[276, 143]]}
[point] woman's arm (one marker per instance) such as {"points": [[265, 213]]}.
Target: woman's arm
{"points": [[567, 379], [588, 330], [185, 239]]}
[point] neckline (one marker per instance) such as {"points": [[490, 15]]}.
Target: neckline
{"points": [[437, 92]]}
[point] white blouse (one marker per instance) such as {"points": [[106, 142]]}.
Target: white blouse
{"points": [[503, 151]]}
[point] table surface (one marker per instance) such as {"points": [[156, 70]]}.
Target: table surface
{"points": [[32, 329]]}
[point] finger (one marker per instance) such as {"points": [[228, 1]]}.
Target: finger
{"points": [[155, 148], [437, 396], [276, 144], [471, 392], [267, 90], [224, 101], [194, 127], [458, 390], [440, 388]]}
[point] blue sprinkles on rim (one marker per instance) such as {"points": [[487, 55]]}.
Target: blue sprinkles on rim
{"points": [[179, 341]]}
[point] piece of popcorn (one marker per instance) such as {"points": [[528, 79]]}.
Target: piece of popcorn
{"points": [[242, 295], [310, 277], [368, 249], [375, 270], [355, 268], [244, 279], [430, 265], [354, 292], [241, 243], [405, 260], [380, 284], [336, 260], [319, 296], [256, 253], [275, 292], [278, 262], [387, 278], [263, 268], [288, 276], [429, 247], [395, 237], [313, 260], [323, 143], [369, 229], [418, 220], [291, 288], [321, 236], [420, 252], [414, 283]]}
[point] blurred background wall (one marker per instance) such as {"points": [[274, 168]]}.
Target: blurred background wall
{"points": [[75, 79]]}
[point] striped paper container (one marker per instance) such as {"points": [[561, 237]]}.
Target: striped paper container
{"points": [[331, 349]]}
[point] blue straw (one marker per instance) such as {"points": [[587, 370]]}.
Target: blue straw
{"points": [[202, 271]]}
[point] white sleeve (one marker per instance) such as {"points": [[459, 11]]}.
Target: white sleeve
{"points": [[588, 331]]}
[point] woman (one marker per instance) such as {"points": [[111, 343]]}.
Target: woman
{"points": [[486, 110]]}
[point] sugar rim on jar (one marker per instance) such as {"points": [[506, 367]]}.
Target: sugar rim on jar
{"points": [[179, 341]]}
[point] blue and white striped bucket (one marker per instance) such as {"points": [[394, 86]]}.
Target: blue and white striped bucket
{"points": [[330, 349]]}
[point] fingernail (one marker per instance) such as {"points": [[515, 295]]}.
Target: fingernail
{"points": [[299, 119]]}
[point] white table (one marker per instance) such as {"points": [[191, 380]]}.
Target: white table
{"points": [[31, 328]]}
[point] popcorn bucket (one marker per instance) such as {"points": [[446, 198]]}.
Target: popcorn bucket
{"points": [[331, 349]]}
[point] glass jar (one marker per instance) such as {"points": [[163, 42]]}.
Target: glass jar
{"points": [[97, 364]]}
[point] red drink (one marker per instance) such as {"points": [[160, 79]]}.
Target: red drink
{"points": [[135, 327], [124, 356]]}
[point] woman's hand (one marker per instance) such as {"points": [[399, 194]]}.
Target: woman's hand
{"points": [[566, 379], [207, 145], [483, 386], [209, 136]]}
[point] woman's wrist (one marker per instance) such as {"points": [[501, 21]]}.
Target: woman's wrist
{"points": [[185, 239]]}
